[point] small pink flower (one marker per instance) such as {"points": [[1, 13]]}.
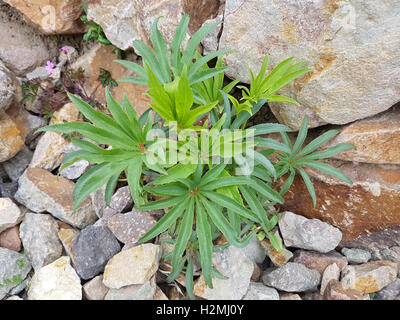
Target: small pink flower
{"points": [[50, 67], [64, 49]]}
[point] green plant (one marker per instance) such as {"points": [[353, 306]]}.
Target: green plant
{"points": [[106, 79], [203, 198], [96, 32], [30, 91], [168, 64]]}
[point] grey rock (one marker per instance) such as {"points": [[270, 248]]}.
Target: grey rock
{"points": [[255, 251], [356, 256], [12, 264], [92, 249], [120, 201], [131, 226], [319, 261], [8, 88], [232, 263], [41, 191], [78, 168], [335, 38], [310, 234], [144, 291], [390, 292], [18, 289], [8, 189], [34, 123], [332, 272], [16, 166], [95, 289], [258, 291], [292, 277], [10, 214], [383, 245], [39, 235], [99, 202]]}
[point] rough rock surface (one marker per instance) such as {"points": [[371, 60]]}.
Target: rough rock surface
{"points": [[101, 57], [10, 239], [56, 281], [66, 237], [40, 240], [49, 150], [300, 232], [8, 87], [10, 214], [332, 272], [376, 139], [292, 277], [78, 168], [371, 204], [52, 16], [356, 256], [16, 166], [14, 37], [134, 266], [130, 227], [232, 263], [123, 21], [390, 292], [335, 291], [41, 191], [95, 289], [92, 249], [369, 277], [144, 291], [338, 39], [13, 130], [383, 245], [12, 264], [258, 291], [255, 251], [318, 261]]}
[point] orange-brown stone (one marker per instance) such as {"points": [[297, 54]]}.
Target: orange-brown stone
{"points": [[52, 16], [371, 204], [102, 57], [376, 139]]}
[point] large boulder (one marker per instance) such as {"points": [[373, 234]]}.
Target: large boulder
{"points": [[351, 45], [123, 20], [52, 16], [8, 87]]}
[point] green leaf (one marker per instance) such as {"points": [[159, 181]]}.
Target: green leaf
{"points": [[326, 168], [261, 159], [203, 231], [110, 187], [275, 241], [265, 190], [149, 59], [161, 50], [184, 233], [167, 219], [309, 185], [329, 152], [212, 174], [134, 67], [317, 142], [179, 36], [301, 135], [189, 277], [180, 170], [225, 182], [271, 144], [133, 174], [163, 203]]}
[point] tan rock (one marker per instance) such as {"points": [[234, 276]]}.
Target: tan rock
{"points": [[326, 35], [116, 16], [335, 291], [332, 272], [49, 150], [66, 237], [52, 16], [257, 272], [13, 131], [278, 258], [10, 239], [134, 266], [102, 57], [371, 204], [41, 191], [319, 261], [376, 139], [369, 277], [95, 289], [289, 296]]}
